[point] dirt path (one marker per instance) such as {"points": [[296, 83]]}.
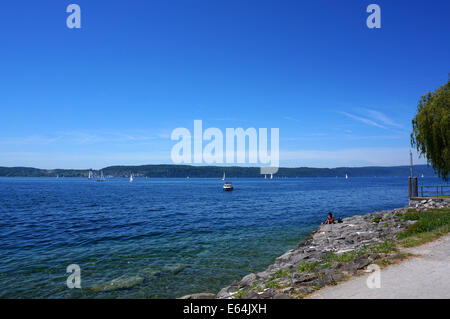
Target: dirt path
{"points": [[426, 276]]}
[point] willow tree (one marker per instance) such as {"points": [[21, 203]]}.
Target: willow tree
{"points": [[431, 129]]}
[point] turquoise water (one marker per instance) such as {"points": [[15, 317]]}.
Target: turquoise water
{"points": [[164, 238]]}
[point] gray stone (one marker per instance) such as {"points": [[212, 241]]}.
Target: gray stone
{"points": [[287, 290], [269, 293], [338, 277], [349, 268], [226, 292], [396, 256], [325, 280], [250, 295], [247, 280], [264, 274], [361, 262], [202, 295], [303, 277], [304, 290]]}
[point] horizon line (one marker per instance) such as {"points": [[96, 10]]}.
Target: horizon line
{"points": [[218, 166]]}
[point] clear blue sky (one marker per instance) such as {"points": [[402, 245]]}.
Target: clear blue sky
{"points": [[113, 91]]}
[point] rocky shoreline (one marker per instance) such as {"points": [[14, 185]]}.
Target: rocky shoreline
{"points": [[330, 254]]}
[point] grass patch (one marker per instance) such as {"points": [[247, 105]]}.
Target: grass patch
{"points": [[411, 214], [342, 258], [435, 221], [422, 238], [385, 262], [386, 247], [273, 284], [376, 219], [280, 274], [308, 267], [429, 225], [240, 294]]}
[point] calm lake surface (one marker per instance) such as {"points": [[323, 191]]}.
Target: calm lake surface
{"points": [[164, 238]]}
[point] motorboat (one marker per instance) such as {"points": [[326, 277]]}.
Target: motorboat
{"points": [[228, 186]]}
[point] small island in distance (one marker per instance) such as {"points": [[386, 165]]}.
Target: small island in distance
{"points": [[183, 171]]}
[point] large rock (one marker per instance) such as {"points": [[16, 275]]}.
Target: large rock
{"points": [[248, 280], [268, 294], [227, 292], [349, 268], [362, 262], [298, 278], [250, 295]]}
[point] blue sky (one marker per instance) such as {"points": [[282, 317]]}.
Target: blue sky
{"points": [[113, 91]]}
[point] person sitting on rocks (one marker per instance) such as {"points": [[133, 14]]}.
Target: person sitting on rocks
{"points": [[330, 219]]}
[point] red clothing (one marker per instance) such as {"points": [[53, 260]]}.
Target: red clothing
{"points": [[330, 220]]}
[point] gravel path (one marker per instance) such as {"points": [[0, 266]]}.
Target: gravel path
{"points": [[426, 276]]}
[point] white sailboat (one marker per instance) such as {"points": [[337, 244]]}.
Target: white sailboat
{"points": [[422, 175], [131, 178], [271, 176], [346, 176], [90, 175], [223, 178], [265, 176]]}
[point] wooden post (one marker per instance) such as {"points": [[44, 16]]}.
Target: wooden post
{"points": [[412, 187]]}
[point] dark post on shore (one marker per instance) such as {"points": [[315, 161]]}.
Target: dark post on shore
{"points": [[412, 187], [412, 181]]}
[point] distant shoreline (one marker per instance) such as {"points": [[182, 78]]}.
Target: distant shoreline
{"points": [[184, 171]]}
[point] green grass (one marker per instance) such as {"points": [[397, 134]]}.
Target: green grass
{"points": [[331, 257], [429, 225], [280, 274], [385, 262], [342, 258], [308, 266], [428, 221], [422, 238], [273, 284], [386, 247], [240, 294], [376, 219]]}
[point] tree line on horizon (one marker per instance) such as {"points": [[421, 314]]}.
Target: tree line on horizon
{"points": [[183, 171]]}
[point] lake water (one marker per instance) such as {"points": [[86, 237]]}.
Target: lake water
{"points": [[164, 238]]}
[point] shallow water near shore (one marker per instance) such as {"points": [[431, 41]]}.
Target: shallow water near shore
{"points": [[164, 238]]}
